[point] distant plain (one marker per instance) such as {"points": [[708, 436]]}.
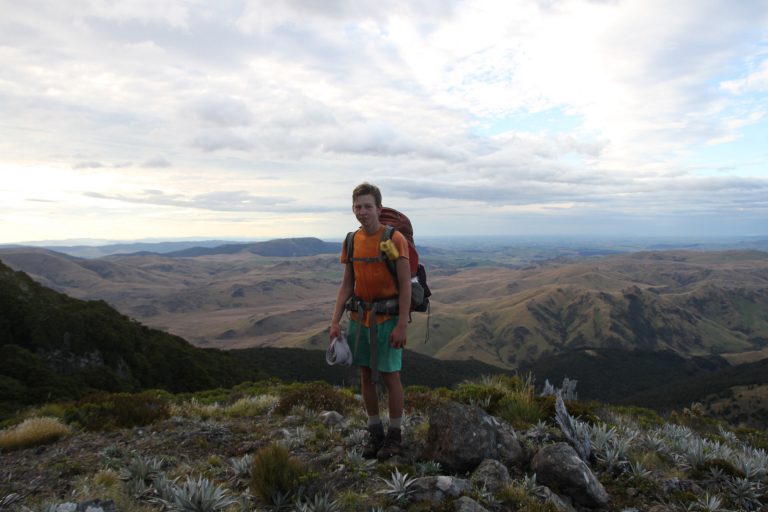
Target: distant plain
{"points": [[503, 302]]}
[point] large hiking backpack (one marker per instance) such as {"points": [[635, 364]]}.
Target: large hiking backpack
{"points": [[394, 220]]}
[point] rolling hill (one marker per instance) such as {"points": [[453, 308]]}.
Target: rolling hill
{"points": [[691, 303], [56, 347]]}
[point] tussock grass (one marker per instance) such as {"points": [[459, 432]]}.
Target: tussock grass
{"points": [[244, 407], [194, 408], [33, 432], [275, 472], [513, 398], [251, 406]]}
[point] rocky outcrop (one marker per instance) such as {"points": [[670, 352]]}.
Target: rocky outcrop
{"points": [[559, 467], [436, 489], [461, 436], [491, 474], [467, 504]]}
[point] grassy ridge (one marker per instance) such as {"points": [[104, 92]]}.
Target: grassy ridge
{"points": [[56, 347]]}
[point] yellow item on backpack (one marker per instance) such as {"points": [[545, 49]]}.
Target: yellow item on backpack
{"points": [[388, 248]]}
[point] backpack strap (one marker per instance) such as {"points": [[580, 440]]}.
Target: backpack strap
{"points": [[385, 235], [391, 265]]}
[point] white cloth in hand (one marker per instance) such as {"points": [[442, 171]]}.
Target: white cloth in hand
{"points": [[338, 351]]}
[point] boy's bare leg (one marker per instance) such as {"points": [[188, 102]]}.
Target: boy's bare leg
{"points": [[394, 392], [371, 401], [391, 445], [368, 390]]}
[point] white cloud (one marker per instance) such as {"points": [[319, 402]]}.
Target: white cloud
{"points": [[756, 81], [522, 104]]}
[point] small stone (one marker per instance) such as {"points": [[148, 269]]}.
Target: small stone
{"points": [[331, 418], [467, 504]]}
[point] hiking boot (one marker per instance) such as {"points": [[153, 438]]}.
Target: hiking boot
{"points": [[391, 446], [375, 441]]}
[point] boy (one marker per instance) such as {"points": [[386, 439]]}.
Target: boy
{"points": [[368, 280]]}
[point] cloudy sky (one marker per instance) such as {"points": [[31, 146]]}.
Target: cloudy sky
{"points": [[127, 120]]}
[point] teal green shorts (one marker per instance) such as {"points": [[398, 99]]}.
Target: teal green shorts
{"points": [[390, 358]]}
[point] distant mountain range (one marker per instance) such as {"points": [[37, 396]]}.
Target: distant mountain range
{"points": [[282, 247], [691, 303]]}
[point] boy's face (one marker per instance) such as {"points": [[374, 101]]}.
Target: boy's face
{"points": [[366, 211]]}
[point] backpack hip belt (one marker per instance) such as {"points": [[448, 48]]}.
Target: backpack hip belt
{"points": [[389, 306]]}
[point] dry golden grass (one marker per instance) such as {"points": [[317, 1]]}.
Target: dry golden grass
{"points": [[33, 432], [251, 406]]}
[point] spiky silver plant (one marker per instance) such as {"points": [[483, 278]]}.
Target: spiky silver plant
{"points": [[636, 470], [242, 466], [694, 454], [729, 436], [398, 486], [304, 412], [531, 487], [751, 468], [319, 503], [428, 468], [575, 431], [9, 499], [199, 495], [354, 461], [164, 487], [707, 503], [745, 493], [357, 437], [137, 489], [567, 390], [653, 441], [297, 436], [280, 500], [141, 468], [602, 437]]}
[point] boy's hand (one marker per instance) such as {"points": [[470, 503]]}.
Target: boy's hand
{"points": [[397, 338], [334, 332]]}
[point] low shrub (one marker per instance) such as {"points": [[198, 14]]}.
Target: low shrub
{"points": [[480, 394], [422, 398], [318, 396], [275, 472], [516, 497], [120, 410], [584, 411], [33, 432], [644, 417]]}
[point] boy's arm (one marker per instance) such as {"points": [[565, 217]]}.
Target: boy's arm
{"points": [[403, 267], [346, 289]]}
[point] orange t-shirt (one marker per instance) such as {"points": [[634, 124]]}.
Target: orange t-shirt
{"points": [[373, 281]]}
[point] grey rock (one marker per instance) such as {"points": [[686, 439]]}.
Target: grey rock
{"points": [[492, 474], [331, 418], [461, 436], [436, 489], [560, 504], [559, 467], [467, 504]]}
